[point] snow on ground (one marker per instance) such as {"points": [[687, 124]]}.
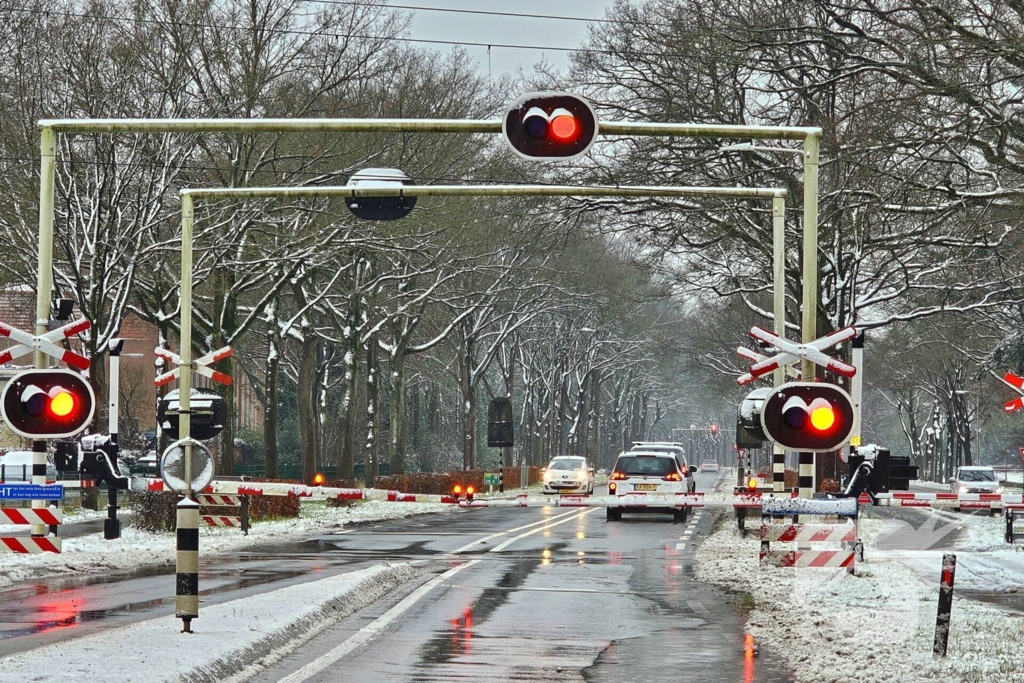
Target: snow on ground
{"points": [[875, 625], [136, 548], [240, 636]]}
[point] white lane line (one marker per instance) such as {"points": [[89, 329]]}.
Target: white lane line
{"points": [[509, 531], [697, 607], [501, 546], [368, 632], [680, 546]]}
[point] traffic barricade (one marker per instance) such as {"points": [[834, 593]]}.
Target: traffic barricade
{"points": [[48, 516], [843, 532], [218, 518]]}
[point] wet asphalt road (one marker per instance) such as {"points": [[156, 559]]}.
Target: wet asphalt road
{"points": [[558, 594]]}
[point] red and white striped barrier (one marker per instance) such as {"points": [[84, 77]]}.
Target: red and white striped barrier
{"points": [[218, 500], [21, 544], [217, 520], [979, 501], [18, 544], [808, 532], [46, 516], [808, 558], [626, 500], [246, 488]]}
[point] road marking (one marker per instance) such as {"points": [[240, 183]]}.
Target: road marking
{"points": [[501, 546], [368, 632], [680, 546], [697, 607], [509, 531]]}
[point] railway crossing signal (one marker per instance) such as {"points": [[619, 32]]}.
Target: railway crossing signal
{"points": [[808, 416], [1017, 384], [47, 404], [47, 343], [550, 125], [199, 365], [790, 352]]}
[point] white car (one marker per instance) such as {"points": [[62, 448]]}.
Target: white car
{"points": [[675, 449], [640, 471], [17, 466], [569, 474], [975, 479], [710, 466]]}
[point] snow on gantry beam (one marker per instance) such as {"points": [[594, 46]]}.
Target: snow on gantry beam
{"points": [[618, 128], [486, 191]]}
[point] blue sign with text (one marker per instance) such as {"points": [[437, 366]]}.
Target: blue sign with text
{"points": [[31, 492]]}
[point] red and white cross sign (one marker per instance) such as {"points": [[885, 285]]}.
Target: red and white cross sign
{"points": [[200, 365], [46, 343], [790, 352], [755, 357], [1017, 384]]}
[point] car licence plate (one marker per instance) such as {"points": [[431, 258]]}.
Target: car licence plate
{"points": [[645, 487]]}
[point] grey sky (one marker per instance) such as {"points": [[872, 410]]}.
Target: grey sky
{"points": [[507, 30]]}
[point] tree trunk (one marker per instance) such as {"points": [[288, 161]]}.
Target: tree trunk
{"points": [[397, 421], [372, 411], [306, 412], [270, 405]]}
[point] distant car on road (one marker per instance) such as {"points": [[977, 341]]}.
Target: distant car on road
{"points": [[569, 474], [975, 479], [710, 466]]}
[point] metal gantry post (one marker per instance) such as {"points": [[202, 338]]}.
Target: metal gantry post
{"points": [[809, 326], [779, 310]]}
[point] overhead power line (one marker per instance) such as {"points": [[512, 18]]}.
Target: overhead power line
{"points": [[489, 13]]}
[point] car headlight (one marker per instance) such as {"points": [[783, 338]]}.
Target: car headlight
{"points": [[999, 489], [963, 489], [547, 476]]}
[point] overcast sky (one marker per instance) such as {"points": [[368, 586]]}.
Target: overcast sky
{"points": [[506, 30]]}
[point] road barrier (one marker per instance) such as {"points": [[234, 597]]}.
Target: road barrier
{"points": [[246, 488], [31, 545], [844, 532], [977, 501], [209, 500]]}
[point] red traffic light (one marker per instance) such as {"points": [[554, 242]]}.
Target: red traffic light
{"points": [[550, 125], [44, 404], [808, 416]]}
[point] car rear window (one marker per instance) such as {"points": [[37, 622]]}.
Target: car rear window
{"points": [[645, 464]]}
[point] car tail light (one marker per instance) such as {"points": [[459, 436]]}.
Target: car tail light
{"points": [[673, 476], [618, 475]]}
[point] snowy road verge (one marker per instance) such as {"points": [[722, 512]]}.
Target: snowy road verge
{"points": [[136, 548], [233, 638], [877, 625]]}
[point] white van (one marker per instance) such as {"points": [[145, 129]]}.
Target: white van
{"points": [[17, 466]]}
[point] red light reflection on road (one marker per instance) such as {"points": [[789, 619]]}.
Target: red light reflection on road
{"points": [[462, 633], [615, 557], [748, 658]]}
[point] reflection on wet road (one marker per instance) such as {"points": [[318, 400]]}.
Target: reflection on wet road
{"points": [[554, 595]]}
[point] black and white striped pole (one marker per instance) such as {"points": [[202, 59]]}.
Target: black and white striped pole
{"points": [[112, 525], [186, 601]]}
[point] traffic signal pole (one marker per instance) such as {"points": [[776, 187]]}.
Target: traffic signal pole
{"points": [[44, 282], [779, 311], [809, 328]]}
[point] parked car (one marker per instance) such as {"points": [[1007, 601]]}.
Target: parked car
{"points": [[147, 466], [710, 466], [642, 471], [569, 474], [17, 466], [975, 479], [677, 451]]}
